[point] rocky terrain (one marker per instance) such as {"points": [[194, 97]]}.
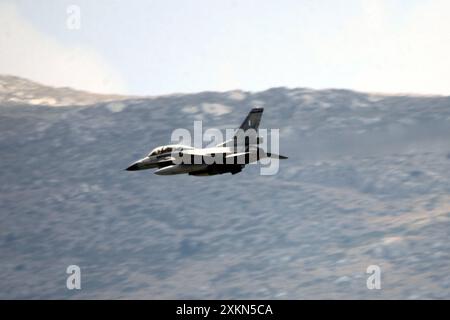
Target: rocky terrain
{"points": [[22, 91], [367, 182]]}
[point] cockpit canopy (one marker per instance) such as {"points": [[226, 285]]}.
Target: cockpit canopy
{"points": [[167, 149], [160, 150]]}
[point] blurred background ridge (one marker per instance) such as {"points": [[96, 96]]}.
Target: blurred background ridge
{"points": [[366, 182]]}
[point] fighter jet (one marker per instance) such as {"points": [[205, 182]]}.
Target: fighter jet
{"points": [[230, 156]]}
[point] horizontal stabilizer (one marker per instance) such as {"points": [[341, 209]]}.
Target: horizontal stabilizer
{"points": [[275, 156]]}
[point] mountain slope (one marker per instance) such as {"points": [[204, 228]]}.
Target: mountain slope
{"points": [[18, 90], [367, 182]]}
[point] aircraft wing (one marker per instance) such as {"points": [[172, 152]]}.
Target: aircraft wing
{"points": [[239, 157], [203, 153], [249, 157], [234, 158]]}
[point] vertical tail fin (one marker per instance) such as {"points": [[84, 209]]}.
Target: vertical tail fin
{"points": [[249, 128], [252, 120]]}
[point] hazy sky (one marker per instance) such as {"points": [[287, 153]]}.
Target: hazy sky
{"points": [[158, 47]]}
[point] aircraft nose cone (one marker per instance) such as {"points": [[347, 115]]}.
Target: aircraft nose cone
{"points": [[133, 167]]}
